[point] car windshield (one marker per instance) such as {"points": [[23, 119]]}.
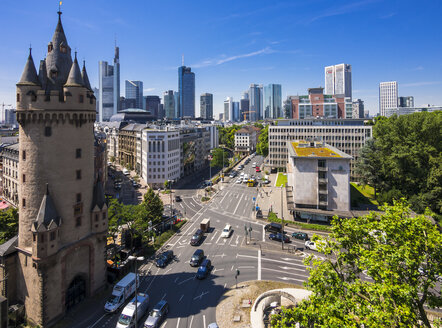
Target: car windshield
{"points": [[113, 299], [155, 313], [226, 230], [195, 258], [124, 319], [202, 269]]}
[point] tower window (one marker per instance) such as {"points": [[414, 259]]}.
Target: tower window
{"points": [[42, 238], [78, 197], [96, 217], [24, 178], [23, 155], [52, 235], [81, 99], [78, 153], [18, 97], [48, 131], [34, 238], [78, 221], [78, 174], [23, 202]]}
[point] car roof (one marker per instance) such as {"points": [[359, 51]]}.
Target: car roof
{"points": [[198, 251], [160, 304], [199, 231], [205, 262]]}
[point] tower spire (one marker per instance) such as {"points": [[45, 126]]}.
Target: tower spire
{"points": [[182, 60], [29, 76]]}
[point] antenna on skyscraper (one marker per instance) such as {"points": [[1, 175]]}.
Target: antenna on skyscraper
{"points": [[182, 60]]}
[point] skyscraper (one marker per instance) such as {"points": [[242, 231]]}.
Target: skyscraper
{"points": [[358, 109], [153, 105], [406, 101], [387, 96], [169, 104], [134, 90], [206, 106], [186, 88], [228, 109], [255, 105], [235, 111], [272, 101], [338, 80], [108, 88]]}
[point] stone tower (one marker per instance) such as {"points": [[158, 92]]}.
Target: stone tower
{"points": [[62, 210]]}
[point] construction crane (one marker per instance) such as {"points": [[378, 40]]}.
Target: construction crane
{"points": [[247, 113]]}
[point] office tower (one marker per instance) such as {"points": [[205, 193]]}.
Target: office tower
{"points": [[109, 88], [406, 101], [338, 80], [255, 105], [169, 104], [272, 101], [228, 109], [244, 109], [134, 90], [358, 109], [63, 220], [186, 88], [206, 106], [152, 105], [176, 97], [387, 96], [287, 107], [235, 111]]}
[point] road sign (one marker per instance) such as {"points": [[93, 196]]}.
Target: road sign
{"points": [[254, 198]]}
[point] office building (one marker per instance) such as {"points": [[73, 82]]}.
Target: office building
{"points": [[186, 89], [272, 101], [134, 90], [338, 80], [235, 111], [244, 109], [406, 101], [246, 139], [127, 103], [206, 106], [108, 88], [63, 223], [169, 104], [410, 110], [317, 104], [152, 105], [346, 135], [287, 107], [10, 180], [319, 175], [255, 104], [388, 96], [228, 109], [358, 109]]}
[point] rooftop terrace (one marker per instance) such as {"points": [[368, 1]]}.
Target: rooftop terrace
{"points": [[306, 149]]}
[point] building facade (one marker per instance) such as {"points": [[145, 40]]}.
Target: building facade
{"points": [[358, 109], [338, 80], [206, 106], [186, 89], [228, 109], [10, 173], [410, 110], [134, 90], [246, 139], [153, 105], [406, 101], [272, 101], [169, 104], [62, 211], [388, 96], [108, 88], [195, 148], [127, 145], [244, 109], [255, 102], [235, 111], [346, 135]]}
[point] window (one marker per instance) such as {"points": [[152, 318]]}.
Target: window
{"points": [[23, 202], [53, 235], [78, 153], [24, 178], [34, 237], [81, 99], [104, 216], [42, 238], [48, 131], [23, 155], [18, 97], [78, 221], [78, 172], [96, 217], [78, 197]]}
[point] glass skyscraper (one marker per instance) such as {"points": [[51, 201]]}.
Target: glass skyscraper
{"points": [[255, 102], [134, 90], [186, 88], [272, 101], [206, 106], [169, 104], [108, 88]]}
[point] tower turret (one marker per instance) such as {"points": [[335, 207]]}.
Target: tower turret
{"points": [[85, 77]]}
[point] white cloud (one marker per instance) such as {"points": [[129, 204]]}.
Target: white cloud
{"points": [[218, 61], [148, 90], [419, 84], [342, 10]]}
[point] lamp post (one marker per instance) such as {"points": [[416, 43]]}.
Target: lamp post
{"points": [[139, 258], [171, 200], [282, 218]]}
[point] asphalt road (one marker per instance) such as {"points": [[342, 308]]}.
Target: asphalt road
{"points": [[193, 302]]}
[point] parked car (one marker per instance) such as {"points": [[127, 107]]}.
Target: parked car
{"points": [[310, 245], [196, 238], [213, 325], [300, 235], [227, 231], [164, 259], [266, 181], [197, 258], [273, 227], [258, 169], [239, 180], [178, 198], [126, 171], [204, 269], [157, 315], [278, 237], [135, 184]]}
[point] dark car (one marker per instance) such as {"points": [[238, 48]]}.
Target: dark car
{"points": [[278, 237], [197, 258], [300, 235], [196, 238], [178, 198], [204, 269], [164, 259], [273, 227], [157, 315]]}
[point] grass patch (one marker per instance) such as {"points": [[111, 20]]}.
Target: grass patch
{"points": [[205, 199], [309, 226], [166, 192], [281, 180], [362, 194]]}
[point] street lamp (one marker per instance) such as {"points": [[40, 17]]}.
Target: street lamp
{"points": [[139, 258], [171, 200]]}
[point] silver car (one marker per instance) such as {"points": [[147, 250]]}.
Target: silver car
{"points": [[157, 315]]}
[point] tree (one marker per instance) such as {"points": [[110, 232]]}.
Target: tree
{"points": [[8, 224], [369, 166], [400, 253], [218, 155], [262, 147], [152, 207]]}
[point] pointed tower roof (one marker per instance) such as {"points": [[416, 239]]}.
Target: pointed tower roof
{"points": [[98, 195], [42, 74], [59, 35], [85, 77], [74, 78], [47, 213], [29, 76]]}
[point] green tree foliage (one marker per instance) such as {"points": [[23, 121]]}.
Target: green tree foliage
{"points": [[258, 125], [400, 253], [8, 224], [153, 206], [217, 158], [227, 135], [369, 166], [262, 147], [407, 157]]}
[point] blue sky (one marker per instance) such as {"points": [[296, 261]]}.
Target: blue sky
{"points": [[230, 44]]}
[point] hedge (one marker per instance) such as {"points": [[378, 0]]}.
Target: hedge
{"points": [[309, 226]]}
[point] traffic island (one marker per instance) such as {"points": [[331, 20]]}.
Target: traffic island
{"points": [[235, 308]]}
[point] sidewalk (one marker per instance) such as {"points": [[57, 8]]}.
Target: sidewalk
{"points": [[269, 199]]}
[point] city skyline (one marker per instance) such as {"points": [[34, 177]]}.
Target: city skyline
{"points": [[249, 49]]}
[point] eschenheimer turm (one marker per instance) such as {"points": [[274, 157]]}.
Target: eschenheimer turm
{"points": [[62, 210]]}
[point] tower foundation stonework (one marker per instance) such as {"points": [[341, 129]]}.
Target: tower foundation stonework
{"points": [[62, 211]]}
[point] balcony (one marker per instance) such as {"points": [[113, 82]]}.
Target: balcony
{"points": [[323, 203], [322, 180], [322, 168], [323, 191]]}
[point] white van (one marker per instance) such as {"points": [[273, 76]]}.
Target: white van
{"points": [[227, 231], [121, 292], [254, 164], [127, 316]]}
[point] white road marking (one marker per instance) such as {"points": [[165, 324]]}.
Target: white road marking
{"points": [[164, 324], [225, 284], [182, 282], [217, 270], [176, 279], [204, 321], [222, 255], [286, 278], [97, 321], [214, 235], [237, 240], [263, 233], [201, 295], [272, 260], [232, 268], [178, 323], [246, 267], [259, 264], [181, 298], [285, 272], [218, 239], [162, 298], [191, 320], [208, 243], [237, 205], [181, 246]]}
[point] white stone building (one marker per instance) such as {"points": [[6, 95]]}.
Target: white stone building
{"points": [[10, 174], [246, 139]]}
